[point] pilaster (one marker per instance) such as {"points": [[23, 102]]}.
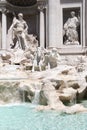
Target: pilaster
{"points": [[55, 35]]}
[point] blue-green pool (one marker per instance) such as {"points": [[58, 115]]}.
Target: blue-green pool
{"points": [[25, 117]]}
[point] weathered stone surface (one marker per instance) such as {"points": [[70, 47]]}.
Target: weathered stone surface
{"points": [[82, 92], [50, 88], [37, 68], [12, 72], [75, 109], [86, 78], [58, 84], [65, 72], [28, 67], [9, 92], [48, 95], [68, 95], [73, 84], [27, 90], [5, 56]]}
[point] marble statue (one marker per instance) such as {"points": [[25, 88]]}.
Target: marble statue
{"points": [[18, 34], [52, 58], [38, 58], [19, 29], [70, 30], [25, 48]]}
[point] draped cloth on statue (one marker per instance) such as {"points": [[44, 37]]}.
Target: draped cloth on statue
{"points": [[70, 29], [18, 36]]}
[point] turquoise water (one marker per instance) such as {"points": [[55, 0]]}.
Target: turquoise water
{"points": [[25, 117]]}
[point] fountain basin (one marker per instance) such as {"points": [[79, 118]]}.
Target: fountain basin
{"points": [[25, 117]]}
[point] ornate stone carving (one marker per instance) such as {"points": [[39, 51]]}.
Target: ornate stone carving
{"points": [[41, 5], [4, 10]]}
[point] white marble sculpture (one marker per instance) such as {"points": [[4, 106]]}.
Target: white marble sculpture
{"points": [[70, 30], [18, 36], [25, 48]]}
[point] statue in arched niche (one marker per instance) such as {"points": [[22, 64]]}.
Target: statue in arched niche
{"points": [[18, 34], [70, 30]]}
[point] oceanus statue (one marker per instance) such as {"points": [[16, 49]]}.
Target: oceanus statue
{"points": [[18, 36]]}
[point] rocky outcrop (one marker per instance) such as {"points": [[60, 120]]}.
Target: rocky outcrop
{"points": [[51, 89], [73, 84], [48, 95], [17, 91], [27, 90], [9, 92], [82, 93], [75, 109], [58, 84], [68, 95]]}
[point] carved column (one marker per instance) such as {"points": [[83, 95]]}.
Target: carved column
{"points": [[4, 28], [42, 26]]}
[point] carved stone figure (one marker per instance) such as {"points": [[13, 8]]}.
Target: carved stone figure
{"points": [[38, 58], [52, 58], [18, 34], [70, 30], [19, 31]]}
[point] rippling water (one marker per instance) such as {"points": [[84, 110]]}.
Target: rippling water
{"points": [[25, 117]]}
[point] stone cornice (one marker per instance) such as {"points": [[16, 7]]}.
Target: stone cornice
{"points": [[3, 3], [25, 10], [22, 3]]}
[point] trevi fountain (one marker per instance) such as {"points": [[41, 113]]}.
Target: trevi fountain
{"points": [[39, 88]]}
